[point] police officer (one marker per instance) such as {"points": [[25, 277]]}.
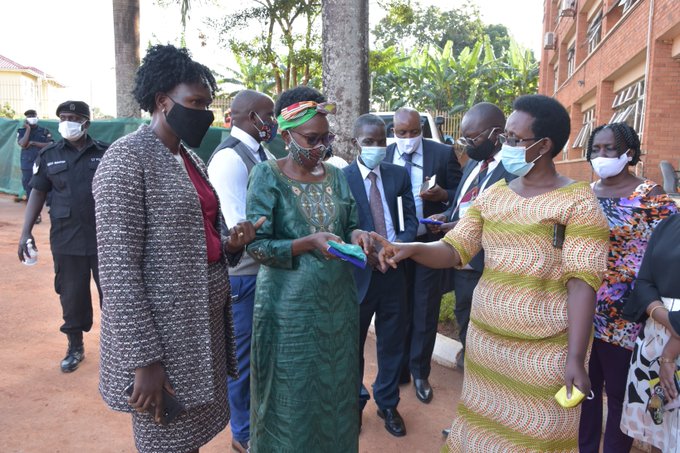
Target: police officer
{"points": [[31, 144], [67, 168]]}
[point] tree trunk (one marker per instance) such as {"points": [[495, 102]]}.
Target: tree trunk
{"points": [[345, 66], [126, 42]]}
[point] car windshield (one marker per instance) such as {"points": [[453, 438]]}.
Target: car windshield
{"points": [[389, 125]]}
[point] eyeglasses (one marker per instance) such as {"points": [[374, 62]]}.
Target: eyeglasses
{"points": [[514, 141], [315, 140], [464, 141]]}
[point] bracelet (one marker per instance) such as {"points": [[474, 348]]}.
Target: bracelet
{"points": [[663, 359], [652, 312]]}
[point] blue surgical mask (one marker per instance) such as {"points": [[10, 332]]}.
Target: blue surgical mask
{"points": [[514, 159], [371, 156]]}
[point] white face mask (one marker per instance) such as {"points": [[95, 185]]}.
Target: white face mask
{"points": [[71, 130], [408, 145], [32, 121], [606, 167]]}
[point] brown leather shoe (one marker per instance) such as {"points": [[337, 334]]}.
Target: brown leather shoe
{"points": [[239, 447]]}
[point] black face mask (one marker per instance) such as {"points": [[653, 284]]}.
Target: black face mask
{"points": [[481, 152], [190, 125]]}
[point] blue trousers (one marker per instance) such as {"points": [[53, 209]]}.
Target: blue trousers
{"points": [[243, 300]]}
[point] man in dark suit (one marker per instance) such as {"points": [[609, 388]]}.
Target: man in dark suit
{"points": [[425, 160], [479, 129], [379, 188]]}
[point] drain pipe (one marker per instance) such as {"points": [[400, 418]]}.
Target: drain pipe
{"points": [[647, 63]]}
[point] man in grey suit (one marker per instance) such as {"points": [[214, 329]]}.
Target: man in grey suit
{"points": [[479, 129], [425, 160]]}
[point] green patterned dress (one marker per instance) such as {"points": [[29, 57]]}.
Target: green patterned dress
{"points": [[305, 345]]}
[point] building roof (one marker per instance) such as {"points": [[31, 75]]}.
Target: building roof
{"points": [[7, 64]]}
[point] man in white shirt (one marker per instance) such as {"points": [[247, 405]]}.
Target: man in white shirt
{"points": [[479, 130], [424, 160], [253, 122]]}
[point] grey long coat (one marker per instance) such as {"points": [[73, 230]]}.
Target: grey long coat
{"points": [[153, 269]]}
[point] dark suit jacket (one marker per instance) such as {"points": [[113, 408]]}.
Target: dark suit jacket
{"points": [[440, 160], [396, 183], [498, 173]]}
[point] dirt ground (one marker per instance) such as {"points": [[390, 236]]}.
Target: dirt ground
{"points": [[44, 410]]}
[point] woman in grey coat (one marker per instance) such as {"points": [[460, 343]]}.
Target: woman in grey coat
{"points": [[166, 316]]}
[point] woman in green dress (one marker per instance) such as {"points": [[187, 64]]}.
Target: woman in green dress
{"points": [[305, 343]]}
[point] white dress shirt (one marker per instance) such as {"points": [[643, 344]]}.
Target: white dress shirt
{"points": [[365, 171], [229, 176], [473, 175], [416, 179]]}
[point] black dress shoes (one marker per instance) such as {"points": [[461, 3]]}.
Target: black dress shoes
{"points": [[446, 432], [74, 355], [394, 424], [423, 390]]}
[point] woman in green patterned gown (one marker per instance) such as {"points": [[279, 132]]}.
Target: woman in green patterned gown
{"points": [[305, 342]]}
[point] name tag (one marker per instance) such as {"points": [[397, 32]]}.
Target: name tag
{"points": [[56, 162], [463, 207]]}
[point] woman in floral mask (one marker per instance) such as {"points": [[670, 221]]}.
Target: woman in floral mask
{"points": [[305, 342], [633, 207]]}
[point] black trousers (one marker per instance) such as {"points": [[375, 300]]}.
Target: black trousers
{"points": [[424, 294], [72, 283], [386, 299], [464, 287]]}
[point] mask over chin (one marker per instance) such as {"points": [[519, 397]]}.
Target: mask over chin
{"points": [[371, 156], [71, 130], [190, 125], [514, 159], [297, 152], [606, 167], [408, 145], [481, 152]]}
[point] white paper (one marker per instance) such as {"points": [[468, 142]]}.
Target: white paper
{"points": [[429, 184], [400, 213]]}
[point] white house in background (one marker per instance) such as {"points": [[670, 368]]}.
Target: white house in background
{"points": [[27, 87]]}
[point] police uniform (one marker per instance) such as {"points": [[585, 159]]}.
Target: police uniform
{"points": [[29, 154], [68, 173]]}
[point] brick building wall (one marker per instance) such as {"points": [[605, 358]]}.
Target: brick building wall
{"points": [[620, 65]]}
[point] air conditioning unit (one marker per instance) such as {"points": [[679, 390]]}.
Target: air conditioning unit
{"points": [[568, 8], [549, 41]]}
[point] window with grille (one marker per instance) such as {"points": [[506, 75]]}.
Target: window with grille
{"points": [[627, 4], [571, 60], [594, 32], [581, 140], [629, 105]]}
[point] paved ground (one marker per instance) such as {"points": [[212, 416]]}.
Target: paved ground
{"points": [[43, 410]]}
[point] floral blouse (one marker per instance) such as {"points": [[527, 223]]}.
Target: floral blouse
{"points": [[631, 221]]}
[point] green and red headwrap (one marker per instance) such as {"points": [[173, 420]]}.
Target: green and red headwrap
{"points": [[299, 113]]}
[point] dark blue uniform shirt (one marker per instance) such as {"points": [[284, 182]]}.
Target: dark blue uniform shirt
{"points": [[68, 173], [28, 155]]}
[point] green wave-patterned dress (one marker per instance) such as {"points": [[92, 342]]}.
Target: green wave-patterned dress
{"points": [[305, 343]]}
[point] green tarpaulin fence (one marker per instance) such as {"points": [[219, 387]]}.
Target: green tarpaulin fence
{"points": [[107, 131]]}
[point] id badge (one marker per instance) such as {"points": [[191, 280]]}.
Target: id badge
{"points": [[463, 207]]}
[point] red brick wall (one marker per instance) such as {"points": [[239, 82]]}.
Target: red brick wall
{"points": [[623, 39]]}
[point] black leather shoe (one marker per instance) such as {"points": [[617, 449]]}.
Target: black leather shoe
{"points": [[423, 390], [460, 360], [74, 356], [394, 424], [446, 432]]}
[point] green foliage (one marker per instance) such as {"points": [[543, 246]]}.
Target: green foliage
{"points": [[6, 111], [448, 304], [434, 78], [285, 57]]}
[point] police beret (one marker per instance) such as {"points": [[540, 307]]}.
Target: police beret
{"points": [[30, 112], [77, 107]]}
